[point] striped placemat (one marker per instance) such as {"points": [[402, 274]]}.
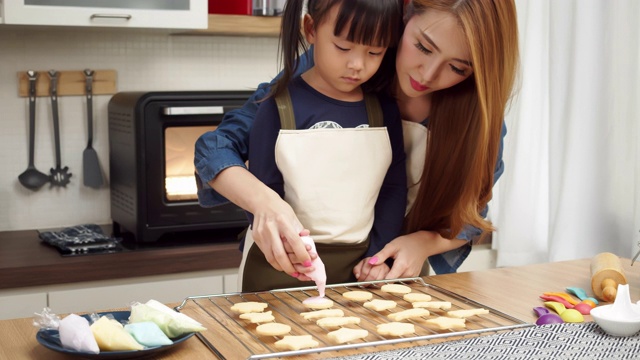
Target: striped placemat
{"points": [[556, 341]]}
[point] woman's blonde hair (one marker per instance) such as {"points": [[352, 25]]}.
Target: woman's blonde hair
{"points": [[466, 120]]}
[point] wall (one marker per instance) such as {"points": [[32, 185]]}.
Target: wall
{"points": [[144, 60]]}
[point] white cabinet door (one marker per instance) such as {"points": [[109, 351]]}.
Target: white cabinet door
{"points": [[96, 298], [170, 14], [21, 305]]}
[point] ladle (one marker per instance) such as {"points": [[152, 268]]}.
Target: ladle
{"points": [[546, 317], [581, 294], [568, 315], [32, 178]]}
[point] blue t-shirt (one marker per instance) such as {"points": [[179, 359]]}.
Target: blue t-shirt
{"points": [[313, 109]]}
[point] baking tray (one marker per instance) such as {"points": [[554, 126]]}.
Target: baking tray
{"points": [[230, 337]]}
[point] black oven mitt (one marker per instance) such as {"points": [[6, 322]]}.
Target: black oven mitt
{"points": [[81, 240]]}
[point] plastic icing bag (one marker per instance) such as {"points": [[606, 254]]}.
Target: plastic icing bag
{"points": [[148, 334], [170, 323], [319, 275], [111, 336], [75, 334]]}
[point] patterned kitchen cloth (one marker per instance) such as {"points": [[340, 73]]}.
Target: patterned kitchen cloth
{"points": [[81, 240], [556, 341]]}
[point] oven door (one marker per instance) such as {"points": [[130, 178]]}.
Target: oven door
{"points": [[170, 136]]}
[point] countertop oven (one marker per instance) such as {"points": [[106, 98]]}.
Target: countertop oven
{"points": [[151, 149]]}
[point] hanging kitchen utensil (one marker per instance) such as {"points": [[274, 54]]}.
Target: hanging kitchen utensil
{"points": [[32, 178], [59, 176], [90, 164]]}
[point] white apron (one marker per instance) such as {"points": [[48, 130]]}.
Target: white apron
{"points": [[415, 149], [332, 178]]}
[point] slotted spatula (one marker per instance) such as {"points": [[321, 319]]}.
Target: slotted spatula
{"points": [[90, 163]]}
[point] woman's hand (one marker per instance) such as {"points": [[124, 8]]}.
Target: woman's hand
{"points": [[364, 271], [411, 251]]}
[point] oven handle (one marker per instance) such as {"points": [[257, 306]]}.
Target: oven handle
{"points": [[193, 110]]}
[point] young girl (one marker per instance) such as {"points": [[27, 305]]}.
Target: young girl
{"points": [[326, 144]]}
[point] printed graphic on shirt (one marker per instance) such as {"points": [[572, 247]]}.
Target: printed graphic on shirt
{"points": [[328, 124]]}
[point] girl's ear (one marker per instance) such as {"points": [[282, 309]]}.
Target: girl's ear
{"points": [[309, 30]]}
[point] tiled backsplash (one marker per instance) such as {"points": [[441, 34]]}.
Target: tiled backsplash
{"points": [[144, 60]]}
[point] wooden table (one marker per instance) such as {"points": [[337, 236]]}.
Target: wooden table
{"points": [[514, 291]]}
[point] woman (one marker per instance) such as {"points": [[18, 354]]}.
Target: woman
{"points": [[455, 69]]}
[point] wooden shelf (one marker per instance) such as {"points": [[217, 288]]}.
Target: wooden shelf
{"points": [[69, 83], [239, 25]]}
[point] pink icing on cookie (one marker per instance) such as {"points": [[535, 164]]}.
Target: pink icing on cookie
{"points": [[319, 275]]}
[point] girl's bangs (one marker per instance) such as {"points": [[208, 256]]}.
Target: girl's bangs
{"points": [[378, 23]]}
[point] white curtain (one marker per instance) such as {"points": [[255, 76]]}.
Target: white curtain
{"points": [[571, 186]]}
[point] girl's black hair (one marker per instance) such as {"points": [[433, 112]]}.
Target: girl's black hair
{"points": [[371, 22]]}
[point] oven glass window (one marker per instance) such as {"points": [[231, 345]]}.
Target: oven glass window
{"points": [[180, 183]]}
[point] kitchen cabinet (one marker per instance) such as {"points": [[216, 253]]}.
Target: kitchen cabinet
{"points": [[117, 293], [169, 14]]}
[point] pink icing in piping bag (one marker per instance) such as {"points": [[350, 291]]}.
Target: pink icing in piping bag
{"points": [[319, 275]]}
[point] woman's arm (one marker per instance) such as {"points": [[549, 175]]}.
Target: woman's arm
{"points": [[412, 250]]}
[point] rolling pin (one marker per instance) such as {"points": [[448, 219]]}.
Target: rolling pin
{"points": [[606, 275]]}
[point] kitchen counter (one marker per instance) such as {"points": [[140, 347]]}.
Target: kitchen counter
{"points": [[514, 291], [25, 261]]}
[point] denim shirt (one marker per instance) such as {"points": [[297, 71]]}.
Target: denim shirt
{"points": [[228, 146]]}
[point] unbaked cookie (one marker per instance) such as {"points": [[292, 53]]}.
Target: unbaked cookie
{"points": [[344, 335], [333, 322], [380, 305], [395, 329], [296, 342], [438, 305], [318, 303], [413, 297], [408, 314], [465, 313], [318, 314], [396, 289], [358, 295], [249, 307], [257, 318], [447, 323], [273, 329]]}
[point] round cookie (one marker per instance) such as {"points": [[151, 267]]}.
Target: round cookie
{"points": [[273, 329], [358, 295], [416, 297], [318, 303], [396, 289]]}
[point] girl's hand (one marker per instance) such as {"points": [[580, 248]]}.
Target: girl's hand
{"points": [[275, 223], [364, 271], [274, 219]]}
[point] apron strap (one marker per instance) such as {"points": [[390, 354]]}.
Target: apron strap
{"points": [[287, 120], [374, 111], [285, 110]]}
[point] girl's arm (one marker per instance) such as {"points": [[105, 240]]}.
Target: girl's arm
{"points": [[222, 176]]}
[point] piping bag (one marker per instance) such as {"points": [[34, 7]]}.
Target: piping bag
{"points": [[319, 275]]}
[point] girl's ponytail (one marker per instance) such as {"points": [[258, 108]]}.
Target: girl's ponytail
{"points": [[292, 43]]}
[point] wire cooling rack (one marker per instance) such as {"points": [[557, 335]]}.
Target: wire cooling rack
{"points": [[230, 337]]}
